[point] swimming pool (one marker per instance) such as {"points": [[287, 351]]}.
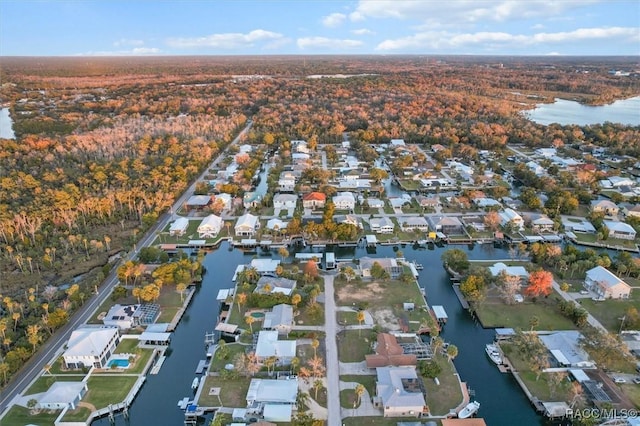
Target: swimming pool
{"points": [[257, 315], [118, 363]]}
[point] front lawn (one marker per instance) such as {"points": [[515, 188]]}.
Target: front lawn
{"points": [[44, 382], [232, 394], [353, 345], [78, 415], [105, 390], [18, 415], [447, 395], [127, 346], [495, 313], [609, 312], [233, 348], [347, 318], [349, 399], [369, 382]]}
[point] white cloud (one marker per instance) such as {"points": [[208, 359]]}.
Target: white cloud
{"points": [[327, 43], [448, 40], [356, 16], [457, 11], [334, 20], [137, 51], [226, 40], [537, 27], [362, 31], [128, 42]]}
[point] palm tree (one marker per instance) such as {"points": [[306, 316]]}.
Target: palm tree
{"points": [[241, 299], [295, 364], [317, 385], [295, 299], [314, 344], [452, 352], [270, 363], [250, 320], [359, 392]]}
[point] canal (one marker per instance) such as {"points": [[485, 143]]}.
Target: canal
{"points": [[502, 401]]}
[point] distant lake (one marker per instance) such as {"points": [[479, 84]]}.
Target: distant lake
{"points": [[565, 112], [6, 124]]}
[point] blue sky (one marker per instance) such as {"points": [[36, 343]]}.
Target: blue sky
{"points": [[249, 27]]}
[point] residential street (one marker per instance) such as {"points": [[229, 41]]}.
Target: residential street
{"points": [[333, 366], [54, 345]]}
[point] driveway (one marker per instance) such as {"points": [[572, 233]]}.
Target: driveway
{"points": [[333, 367]]}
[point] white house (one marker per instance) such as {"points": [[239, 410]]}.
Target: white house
{"points": [[264, 391], [285, 201], [224, 199], [287, 182], [620, 230], [276, 285], [397, 142], [265, 266], [122, 316], [546, 152], [374, 203], [344, 201], [515, 271], [62, 395], [210, 226], [399, 393], [246, 225], [280, 319], [91, 347], [412, 223], [509, 216], [268, 345], [607, 207], [605, 284], [179, 226], [382, 225], [536, 168], [275, 224], [566, 349]]}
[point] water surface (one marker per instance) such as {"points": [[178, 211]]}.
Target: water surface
{"points": [[564, 112]]}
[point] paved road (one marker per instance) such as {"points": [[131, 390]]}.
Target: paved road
{"points": [[34, 366], [572, 298], [333, 366]]}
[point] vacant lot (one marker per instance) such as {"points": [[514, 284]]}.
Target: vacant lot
{"points": [[609, 312], [353, 345], [232, 394]]}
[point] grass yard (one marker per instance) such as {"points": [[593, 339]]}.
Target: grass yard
{"points": [[495, 313], [78, 415], [127, 346], [232, 394], [44, 382], [218, 363], [169, 302], [353, 345], [633, 392], [442, 398], [315, 316], [609, 242], [609, 312], [349, 399], [369, 382], [57, 368], [321, 399], [18, 415], [347, 318], [105, 390], [142, 357]]}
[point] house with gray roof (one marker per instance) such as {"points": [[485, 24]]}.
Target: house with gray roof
{"points": [[62, 395], [566, 349], [280, 319], [448, 225], [276, 285], [620, 230], [399, 392], [269, 345], [605, 284], [91, 347]]}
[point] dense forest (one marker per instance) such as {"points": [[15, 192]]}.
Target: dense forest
{"points": [[104, 145]]}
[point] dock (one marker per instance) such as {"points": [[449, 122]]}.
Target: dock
{"points": [[156, 367], [178, 316], [239, 269], [202, 365], [463, 301]]}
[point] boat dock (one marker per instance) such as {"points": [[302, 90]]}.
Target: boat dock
{"points": [[156, 367], [178, 316], [463, 301], [202, 365]]}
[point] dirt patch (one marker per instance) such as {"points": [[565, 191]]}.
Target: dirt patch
{"points": [[385, 319], [371, 291]]}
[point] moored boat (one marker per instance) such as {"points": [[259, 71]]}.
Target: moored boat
{"points": [[194, 384], [494, 353], [469, 410]]}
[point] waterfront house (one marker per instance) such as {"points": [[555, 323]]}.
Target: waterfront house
{"points": [[344, 201], [620, 230], [607, 207], [349, 219], [62, 395], [605, 284], [514, 271], [314, 200], [412, 223], [210, 226], [275, 224], [388, 264], [268, 345], [538, 221], [381, 225], [448, 225], [246, 225], [179, 227], [122, 316], [374, 203], [275, 285], [389, 353], [251, 199], [578, 225], [285, 201], [510, 217], [287, 181], [198, 202], [280, 319], [427, 202], [632, 210], [265, 266], [566, 349], [276, 399], [90, 347], [399, 392]]}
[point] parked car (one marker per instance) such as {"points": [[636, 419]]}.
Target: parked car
{"points": [[620, 380], [636, 380], [597, 299], [584, 291]]}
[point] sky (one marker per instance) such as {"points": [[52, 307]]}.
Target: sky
{"points": [[266, 27]]}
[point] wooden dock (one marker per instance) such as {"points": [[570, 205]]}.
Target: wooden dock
{"points": [[178, 316], [463, 301]]}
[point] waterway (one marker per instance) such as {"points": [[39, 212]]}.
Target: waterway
{"points": [[6, 124], [566, 112], [502, 401]]}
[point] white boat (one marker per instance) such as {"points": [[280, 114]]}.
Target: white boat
{"points": [[494, 353], [194, 384], [184, 402], [469, 410]]}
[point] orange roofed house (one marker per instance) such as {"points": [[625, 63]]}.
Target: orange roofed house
{"points": [[314, 200], [389, 353]]}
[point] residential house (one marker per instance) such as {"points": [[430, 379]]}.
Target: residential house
{"points": [[607, 207], [448, 225], [251, 199], [427, 202], [314, 200], [61, 395], [536, 168], [510, 217], [396, 143], [210, 226], [399, 392], [280, 319], [344, 201], [285, 201], [398, 202], [246, 225], [122, 316], [381, 225], [287, 181], [179, 227], [513, 271], [605, 284], [349, 219], [90, 347], [583, 226], [412, 223], [268, 345], [546, 152], [566, 349], [275, 285], [245, 149], [198, 202], [486, 202], [388, 264], [374, 203], [389, 353], [224, 200], [620, 230], [277, 398], [538, 222], [300, 146], [275, 224], [632, 210], [265, 266]]}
